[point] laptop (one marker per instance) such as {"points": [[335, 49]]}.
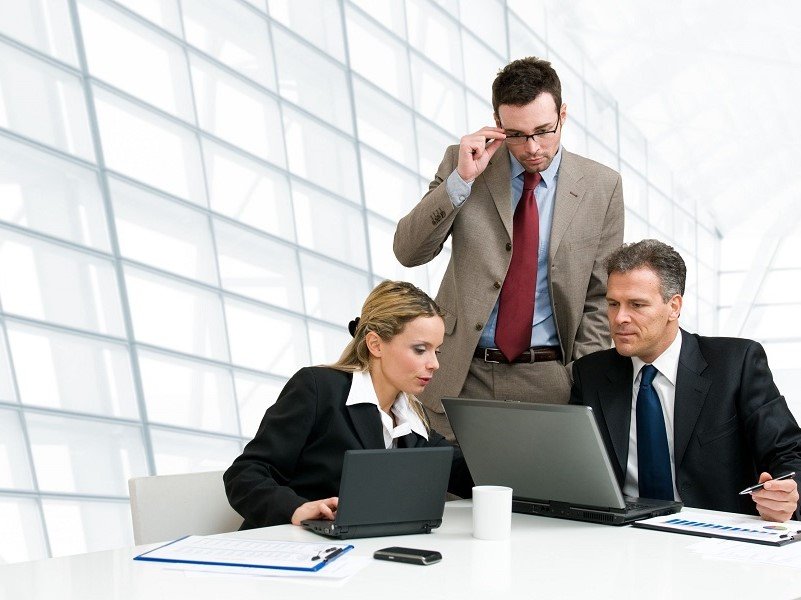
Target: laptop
{"points": [[552, 456], [389, 492]]}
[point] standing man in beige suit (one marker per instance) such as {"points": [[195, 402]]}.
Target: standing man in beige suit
{"points": [[531, 226]]}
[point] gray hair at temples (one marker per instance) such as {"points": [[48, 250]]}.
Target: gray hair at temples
{"points": [[655, 255]]}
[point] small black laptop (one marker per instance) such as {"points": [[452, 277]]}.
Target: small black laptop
{"points": [[389, 492], [552, 456]]}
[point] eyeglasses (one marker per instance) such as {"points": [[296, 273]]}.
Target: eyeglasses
{"points": [[518, 139]]}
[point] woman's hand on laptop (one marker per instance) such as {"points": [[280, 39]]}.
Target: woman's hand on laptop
{"points": [[316, 509]]}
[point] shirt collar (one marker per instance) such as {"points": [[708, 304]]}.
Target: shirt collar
{"points": [[404, 415], [548, 175], [363, 392], [666, 363]]}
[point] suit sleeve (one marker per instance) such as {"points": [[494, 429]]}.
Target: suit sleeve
{"points": [[771, 429], [460, 482], [421, 234], [256, 481], [593, 331], [576, 393]]}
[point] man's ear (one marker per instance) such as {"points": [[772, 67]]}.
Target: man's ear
{"points": [[675, 307], [497, 120], [374, 343]]}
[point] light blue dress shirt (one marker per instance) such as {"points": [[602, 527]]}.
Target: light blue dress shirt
{"points": [[543, 328]]}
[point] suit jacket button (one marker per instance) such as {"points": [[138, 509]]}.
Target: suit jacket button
{"points": [[479, 326], [497, 285], [508, 246]]}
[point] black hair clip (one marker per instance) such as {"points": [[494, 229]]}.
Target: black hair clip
{"points": [[352, 326]]}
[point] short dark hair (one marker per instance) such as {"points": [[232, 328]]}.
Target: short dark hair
{"points": [[655, 255], [521, 81]]}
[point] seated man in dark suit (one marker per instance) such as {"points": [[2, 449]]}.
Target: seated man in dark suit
{"points": [[685, 417]]}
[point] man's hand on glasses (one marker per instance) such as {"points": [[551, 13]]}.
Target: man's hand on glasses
{"points": [[475, 151]]}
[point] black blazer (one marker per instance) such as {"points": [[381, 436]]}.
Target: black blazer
{"points": [[297, 453], [730, 422]]}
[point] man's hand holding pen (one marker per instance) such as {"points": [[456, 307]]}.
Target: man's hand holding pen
{"points": [[777, 500]]}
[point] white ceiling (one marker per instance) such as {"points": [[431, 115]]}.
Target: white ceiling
{"points": [[716, 88]]}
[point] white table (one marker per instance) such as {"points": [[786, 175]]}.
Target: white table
{"points": [[545, 558]]}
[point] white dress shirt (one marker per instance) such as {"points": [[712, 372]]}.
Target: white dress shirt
{"points": [[408, 421], [664, 383]]}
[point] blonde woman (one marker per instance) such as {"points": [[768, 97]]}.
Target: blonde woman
{"points": [[291, 469]]}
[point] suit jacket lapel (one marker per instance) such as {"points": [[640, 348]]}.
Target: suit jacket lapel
{"points": [[408, 441], [497, 177], [367, 423], [615, 403], [691, 392], [569, 193]]}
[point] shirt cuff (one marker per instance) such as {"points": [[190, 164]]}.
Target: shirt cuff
{"points": [[458, 189]]}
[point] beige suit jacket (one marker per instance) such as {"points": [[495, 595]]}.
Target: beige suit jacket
{"points": [[587, 226]]}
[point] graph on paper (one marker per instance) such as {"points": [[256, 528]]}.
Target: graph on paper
{"points": [[726, 525]]}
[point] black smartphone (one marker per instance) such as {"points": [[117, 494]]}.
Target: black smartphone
{"points": [[413, 556]]}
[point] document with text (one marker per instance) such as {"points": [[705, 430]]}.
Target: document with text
{"points": [[241, 552], [741, 528]]}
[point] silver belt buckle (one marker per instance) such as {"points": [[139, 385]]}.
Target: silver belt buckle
{"points": [[486, 355]]}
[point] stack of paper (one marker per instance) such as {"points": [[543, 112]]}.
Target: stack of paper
{"points": [[238, 552]]}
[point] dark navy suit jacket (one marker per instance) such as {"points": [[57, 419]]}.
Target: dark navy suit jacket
{"points": [[730, 421], [297, 453]]}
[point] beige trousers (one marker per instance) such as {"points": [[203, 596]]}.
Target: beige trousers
{"points": [[545, 382]]}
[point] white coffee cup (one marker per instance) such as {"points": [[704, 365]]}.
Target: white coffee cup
{"points": [[492, 512]]}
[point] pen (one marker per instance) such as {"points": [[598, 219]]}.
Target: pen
{"points": [[334, 554], [319, 555], [759, 486]]}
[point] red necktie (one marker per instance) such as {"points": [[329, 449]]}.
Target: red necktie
{"points": [[516, 309]]}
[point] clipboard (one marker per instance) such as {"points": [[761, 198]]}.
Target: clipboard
{"points": [[739, 528], [229, 551]]}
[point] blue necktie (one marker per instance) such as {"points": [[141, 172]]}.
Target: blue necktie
{"points": [[653, 457]]}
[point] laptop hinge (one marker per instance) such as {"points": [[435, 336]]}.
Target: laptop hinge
{"points": [[558, 506], [428, 526], [594, 509]]}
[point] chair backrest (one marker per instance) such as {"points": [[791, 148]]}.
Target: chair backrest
{"points": [[166, 507]]}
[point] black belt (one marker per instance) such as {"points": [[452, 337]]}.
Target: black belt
{"points": [[536, 354]]}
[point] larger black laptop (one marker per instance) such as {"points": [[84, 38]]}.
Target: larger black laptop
{"points": [[552, 456], [389, 492]]}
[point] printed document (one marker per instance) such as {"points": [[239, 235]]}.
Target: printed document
{"points": [[240, 552], [743, 528]]}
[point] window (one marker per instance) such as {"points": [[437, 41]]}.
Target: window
{"points": [[152, 149], [303, 72], [159, 288], [233, 35], [50, 282], [51, 195], [135, 59], [237, 112], [44, 103]]}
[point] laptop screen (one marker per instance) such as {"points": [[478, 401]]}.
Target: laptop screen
{"points": [[393, 486], [544, 452]]}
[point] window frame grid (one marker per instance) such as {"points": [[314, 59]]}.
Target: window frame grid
{"points": [[88, 83]]}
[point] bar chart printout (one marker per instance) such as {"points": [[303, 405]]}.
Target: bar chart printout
{"points": [[732, 527]]}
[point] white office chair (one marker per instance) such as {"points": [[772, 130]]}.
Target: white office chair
{"points": [[166, 507]]}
